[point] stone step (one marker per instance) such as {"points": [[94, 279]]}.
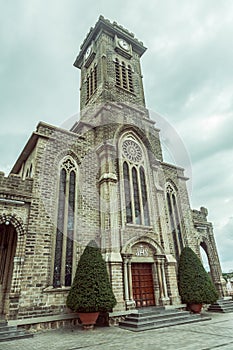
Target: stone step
{"points": [[162, 320], [12, 332], [219, 309], [166, 318], [155, 309], [150, 311], [6, 328], [16, 337], [3, 324], [169, 322], [224, 302], [151, 317], [221, 305]]}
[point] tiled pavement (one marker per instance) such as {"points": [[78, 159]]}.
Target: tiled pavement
{"points": [[215, 334]]}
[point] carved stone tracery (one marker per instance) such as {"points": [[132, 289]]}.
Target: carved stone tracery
{"points": [[132, 151]]}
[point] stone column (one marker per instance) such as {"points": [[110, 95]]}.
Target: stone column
{"points": [[159, 198], [109, 217], [128, 285], [110, 235], [217, 278], [171, 278], [160, 262], [164, 278], [126, 278], [130, 278]]}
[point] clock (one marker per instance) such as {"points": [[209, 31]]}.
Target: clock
{"points": [[123, 44], [88, 52]]}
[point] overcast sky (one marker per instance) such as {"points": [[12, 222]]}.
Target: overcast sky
{"points": [[188, 72]]}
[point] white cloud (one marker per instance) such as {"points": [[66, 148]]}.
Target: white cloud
{"points": [[225, 250]]}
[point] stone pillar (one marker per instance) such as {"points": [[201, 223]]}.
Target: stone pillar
{"points": [[126, 285], [160, 263], [160, 279], [161, 216], [171, 279], [130, 278], [110, 233], [218, 280], [109, 213]]}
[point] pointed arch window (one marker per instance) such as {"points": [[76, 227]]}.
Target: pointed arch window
{"points": [[135, 186], [124, 75], [144, 196], [64, 245], [135, 193], [174, 220], [128, 205], [91, 82]]}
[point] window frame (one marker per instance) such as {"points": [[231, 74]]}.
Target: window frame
{"points": [[124, 75], [91, 81], [61, 280], [145, 217], [174, 218]]}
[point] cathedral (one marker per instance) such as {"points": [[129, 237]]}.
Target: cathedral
{"points": [[103, 179]]}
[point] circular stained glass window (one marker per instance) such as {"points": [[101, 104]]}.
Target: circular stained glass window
{"points": [[132, 151]]}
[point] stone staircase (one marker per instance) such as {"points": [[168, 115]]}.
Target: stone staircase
{"points": [[222, 305], [158, 317], [11, 332]]}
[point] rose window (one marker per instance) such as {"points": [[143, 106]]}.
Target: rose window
{"points": [[132, 151]]}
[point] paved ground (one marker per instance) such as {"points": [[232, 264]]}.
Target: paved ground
{"points": [[215, 334]]}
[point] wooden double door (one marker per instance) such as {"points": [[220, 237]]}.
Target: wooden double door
{"points": [[143, 284]]}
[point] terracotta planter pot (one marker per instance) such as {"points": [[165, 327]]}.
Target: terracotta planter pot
{"points": [[88, 319], [195, 308]]}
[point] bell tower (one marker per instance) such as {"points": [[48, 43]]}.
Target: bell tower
{"points": [[109, 60]]}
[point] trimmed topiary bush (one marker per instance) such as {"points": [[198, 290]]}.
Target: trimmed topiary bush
{"points": [[195, 285], [91, 289]]}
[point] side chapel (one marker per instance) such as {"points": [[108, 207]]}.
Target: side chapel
{"points": [[104, 179]]}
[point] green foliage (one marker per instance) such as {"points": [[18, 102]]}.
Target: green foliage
{"points": [[195, 285], [91, 289]]}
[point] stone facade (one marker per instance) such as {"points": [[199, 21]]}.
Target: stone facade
{"points": [[105, 179]]}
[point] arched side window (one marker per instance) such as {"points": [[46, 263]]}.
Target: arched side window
{"points": [[174, 220], [29, 171], [136, 197], [64, 246], [124, 75], [91, 82], [144, 196], [128, 205], [134, 184]]}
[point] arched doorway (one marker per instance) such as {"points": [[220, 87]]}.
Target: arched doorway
{"points": [[214, 265], [204, 257], [8, 243], [145, 281], [207, 261], [143, 284]]}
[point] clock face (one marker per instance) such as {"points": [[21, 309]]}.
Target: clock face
{"points": [[124, 45], [88, 52]]}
